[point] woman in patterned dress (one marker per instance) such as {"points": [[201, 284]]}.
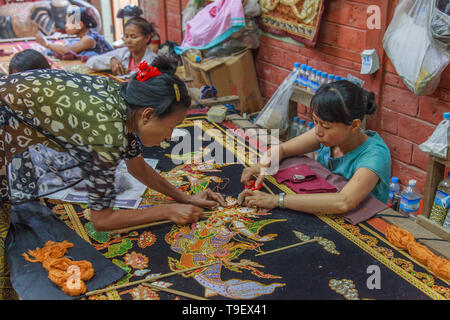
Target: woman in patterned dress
{"points": [[58, 127]]}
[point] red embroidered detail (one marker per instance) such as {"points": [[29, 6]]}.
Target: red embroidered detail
{"points": [[146, 72]]}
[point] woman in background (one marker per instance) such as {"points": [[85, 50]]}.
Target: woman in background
{"points": [[79, 21], [137, 35]]}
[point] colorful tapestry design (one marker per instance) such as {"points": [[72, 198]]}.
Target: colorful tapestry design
{"points": [[333, 262], [298, 19]]}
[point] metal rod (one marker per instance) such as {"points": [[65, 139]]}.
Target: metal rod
{"points": [[90, 293]]}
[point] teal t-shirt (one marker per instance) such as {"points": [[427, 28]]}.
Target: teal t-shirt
{"points": [[372, 154]]}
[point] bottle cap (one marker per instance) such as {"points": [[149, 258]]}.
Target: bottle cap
{"points": [[295, 119], [198, 59], [296, 64], [303, 121], [310, 123], [324, 74], [446, 115], [304, 66], [337, 78], [331, 76], [309, 68], [394, 179], [412, 183], [319, 73]]}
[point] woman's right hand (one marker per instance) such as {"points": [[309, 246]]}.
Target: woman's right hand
{"points": [[268, 165], [117, 67], [183, 213]]}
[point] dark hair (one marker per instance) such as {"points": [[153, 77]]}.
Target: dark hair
{"points": [[342, 102], [28, 59], [86, 15], [143, 25], [165, 93]]}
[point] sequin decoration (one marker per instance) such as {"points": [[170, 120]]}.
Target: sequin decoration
{"points": [[344, 287]]}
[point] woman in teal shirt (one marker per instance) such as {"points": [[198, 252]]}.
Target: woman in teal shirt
{"points": [[360, 156]]}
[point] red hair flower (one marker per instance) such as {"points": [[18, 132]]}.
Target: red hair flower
{"points": [[146, 72]]}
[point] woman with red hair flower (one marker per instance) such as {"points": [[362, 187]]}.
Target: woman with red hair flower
{"points": [[61, 127]]}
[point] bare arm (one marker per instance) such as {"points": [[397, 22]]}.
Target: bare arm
{"points": [[299, 145], [139, 169], [85, 43], [353, 193]]}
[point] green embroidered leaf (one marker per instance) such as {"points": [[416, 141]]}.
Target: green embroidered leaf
{"points": [[119, 249], [257, 225], [99, 236], [121, 265]]}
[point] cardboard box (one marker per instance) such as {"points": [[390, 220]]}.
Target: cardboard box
{"points": [[231, 75]]}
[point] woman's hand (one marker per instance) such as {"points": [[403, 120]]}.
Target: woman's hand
{"points": [[259, 199], [207, 199], [117, 67], [268, 165], [183, 213]]}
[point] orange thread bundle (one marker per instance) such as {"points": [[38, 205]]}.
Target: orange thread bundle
{"points": [[405, 240], [60, 268]]}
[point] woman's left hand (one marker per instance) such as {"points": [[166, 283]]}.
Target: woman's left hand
{"points": [[259, 199], [207, 199]]}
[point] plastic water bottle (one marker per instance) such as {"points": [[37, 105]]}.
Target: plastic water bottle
{"points": [[308, 78], [410, 200], [441, 202], [446, 224], [394, 194], [312, 80], [296, 69], [323, 80], [330, 78], [293, 128], [301, 127], [446, 116]]}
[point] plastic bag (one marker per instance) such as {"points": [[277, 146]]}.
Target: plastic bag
{"points": [[252, 8], [440, 23], [248, 37], [418, 58], [437, 143], [275, 115]]}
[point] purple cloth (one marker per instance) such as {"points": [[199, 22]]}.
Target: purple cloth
{"points": [[364, 211], [311, 182]]}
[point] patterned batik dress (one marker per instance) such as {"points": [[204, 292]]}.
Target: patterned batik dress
{"points": [[57, 128]]}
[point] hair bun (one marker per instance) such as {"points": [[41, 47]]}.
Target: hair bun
{"points": [[371, 105], [165, 64]]}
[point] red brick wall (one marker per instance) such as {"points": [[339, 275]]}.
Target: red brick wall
{"points": [[403, 119]]}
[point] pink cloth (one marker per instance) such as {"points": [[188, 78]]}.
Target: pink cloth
{"points": [[311, 182], [213, 24], [368, 208]]}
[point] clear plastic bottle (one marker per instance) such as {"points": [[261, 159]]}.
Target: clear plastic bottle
{"points": [[324, 78], [302, 76], [312, 80], [394, 193], [446, 116], [439, 208], [318, 79], [301, 127], [330, 78], [296, 71], [308, 78], [410, 200], [446, 224], [194, 55], [293, 128]]}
